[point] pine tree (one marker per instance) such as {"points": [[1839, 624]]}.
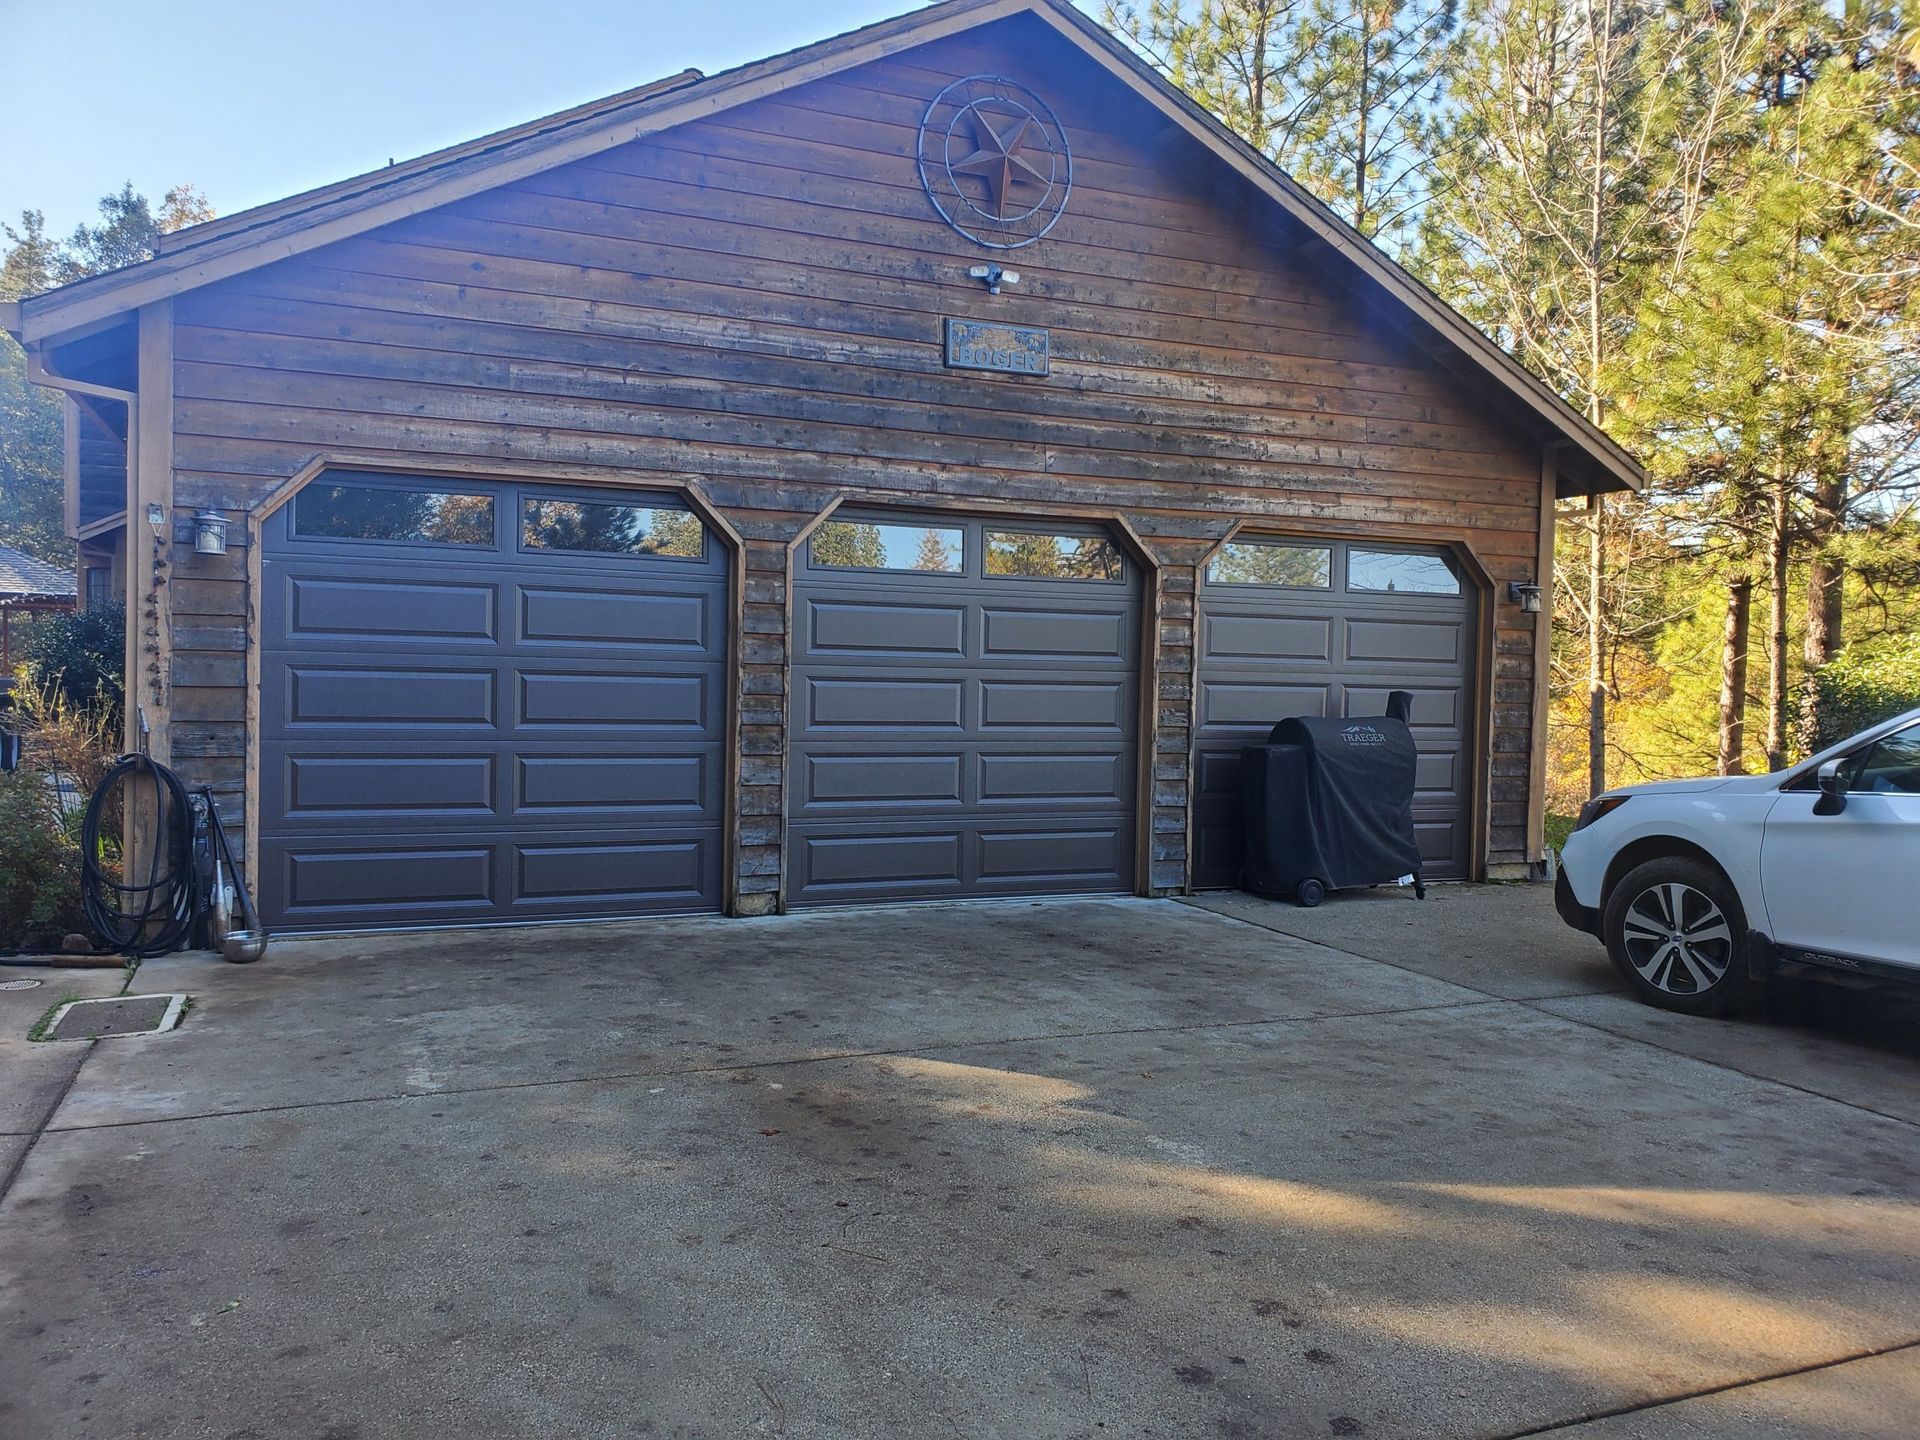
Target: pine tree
{"points": [[1583, 155], [935, 552], [1366, 115], [1347, 96], [1775, 387]]}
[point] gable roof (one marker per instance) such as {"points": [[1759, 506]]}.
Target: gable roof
{"points": [[24, 578], [219, 248]]}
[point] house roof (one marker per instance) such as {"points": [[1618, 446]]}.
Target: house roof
{"points": [[24, 578], [220, 248]]}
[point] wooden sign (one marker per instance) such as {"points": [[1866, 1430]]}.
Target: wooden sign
{"points": [[1009, 349]]}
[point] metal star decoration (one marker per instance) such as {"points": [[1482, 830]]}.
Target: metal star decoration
{"points": [[994, 161], [997, 158]]}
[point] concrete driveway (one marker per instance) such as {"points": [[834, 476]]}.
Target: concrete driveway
{"points": [[1072, 1169]]}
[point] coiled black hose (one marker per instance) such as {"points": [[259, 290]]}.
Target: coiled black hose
{"points": [[156, 917]]}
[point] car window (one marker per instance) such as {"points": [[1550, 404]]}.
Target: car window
{"points": [[1891, 766]]}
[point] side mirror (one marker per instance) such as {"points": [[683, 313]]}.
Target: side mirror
{"points": [[1833, 794]]}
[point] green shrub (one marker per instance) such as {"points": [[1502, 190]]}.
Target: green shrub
{"points": [[84, 655], [1866, 683], [39, 864]]}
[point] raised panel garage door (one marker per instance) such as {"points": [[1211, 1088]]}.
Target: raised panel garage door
{"points": [[1305, 627], [486, 702], [963, 718]]}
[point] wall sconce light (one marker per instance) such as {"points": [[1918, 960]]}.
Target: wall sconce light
{"points": [[1525, 594], [993, 277], [209, 533], [157, 518]]}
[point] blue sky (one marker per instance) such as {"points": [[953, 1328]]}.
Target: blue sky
{"points": [[252, 100]]}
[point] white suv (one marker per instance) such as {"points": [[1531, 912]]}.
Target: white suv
{"points": [[1702, 887]]}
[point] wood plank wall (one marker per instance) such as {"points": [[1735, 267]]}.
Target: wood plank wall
{"points": [[755, 301]]}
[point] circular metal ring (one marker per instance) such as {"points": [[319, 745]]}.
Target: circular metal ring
{"points": [[977, 98]]}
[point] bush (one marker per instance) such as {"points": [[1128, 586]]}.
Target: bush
{"points": [[84, 656], [1866, 683], [69, 740], [39, 865]]}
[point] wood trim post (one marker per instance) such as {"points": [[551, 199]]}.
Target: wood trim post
{"points": [[1542, 660], [150, 556]]}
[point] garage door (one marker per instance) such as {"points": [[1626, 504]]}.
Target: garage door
{"points": [[963, 712], [488, 702], [1313, 628]]}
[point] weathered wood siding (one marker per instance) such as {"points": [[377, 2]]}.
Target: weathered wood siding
{"points": [[755, 301]]}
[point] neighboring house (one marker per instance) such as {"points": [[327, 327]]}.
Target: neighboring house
{"points": [[656, 508], [28, 587]]}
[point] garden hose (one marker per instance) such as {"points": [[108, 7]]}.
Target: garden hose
{"points": [[182, 900], [154, 918]]}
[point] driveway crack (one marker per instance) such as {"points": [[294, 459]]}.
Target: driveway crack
{"points": [[788, 1062], [46, 1118], [1811, 1368]]}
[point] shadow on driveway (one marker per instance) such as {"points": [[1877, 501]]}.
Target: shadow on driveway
{"points": [[1070, 1169]]}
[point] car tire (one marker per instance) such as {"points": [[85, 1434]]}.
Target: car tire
{"points": [[1693, 961]]}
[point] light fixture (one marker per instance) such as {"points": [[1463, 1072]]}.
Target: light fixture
{"points": [[209, 533], [157, 518], [1525, 594], [993, 277]]}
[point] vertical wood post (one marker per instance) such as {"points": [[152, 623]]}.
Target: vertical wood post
{"points": [[1542, 659], [150, 556], [765, 651], [1168, 811]]}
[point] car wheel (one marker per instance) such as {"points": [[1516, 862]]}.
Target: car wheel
{"points": [[1676, 931]]}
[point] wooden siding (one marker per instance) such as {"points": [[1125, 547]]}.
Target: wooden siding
{"points": [[754, 303]]}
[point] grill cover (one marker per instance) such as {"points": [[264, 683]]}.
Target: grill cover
{"points": [[1330, 800]]}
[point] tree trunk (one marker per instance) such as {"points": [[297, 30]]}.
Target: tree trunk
{"points": [[1733, 677], [1777, 634], [1824, 594], [1596, 650]]}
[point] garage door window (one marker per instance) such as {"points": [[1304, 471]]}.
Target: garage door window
{"points": [[594, 527], [1402, 572], [1263, 562], [381, 512], [865, 545], [1052, 557]]}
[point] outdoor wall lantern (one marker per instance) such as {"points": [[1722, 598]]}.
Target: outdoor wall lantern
{"points": [[210, 534], [1525, 594]]}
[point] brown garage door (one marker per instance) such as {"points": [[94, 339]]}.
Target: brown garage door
{"points": [[488, 702], [963, 711], [1303, 627]]}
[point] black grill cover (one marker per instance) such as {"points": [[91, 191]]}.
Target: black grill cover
{"points": [[1330, 800]]}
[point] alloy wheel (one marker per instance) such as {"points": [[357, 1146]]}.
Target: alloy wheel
{"points": [[1677, 938]]}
